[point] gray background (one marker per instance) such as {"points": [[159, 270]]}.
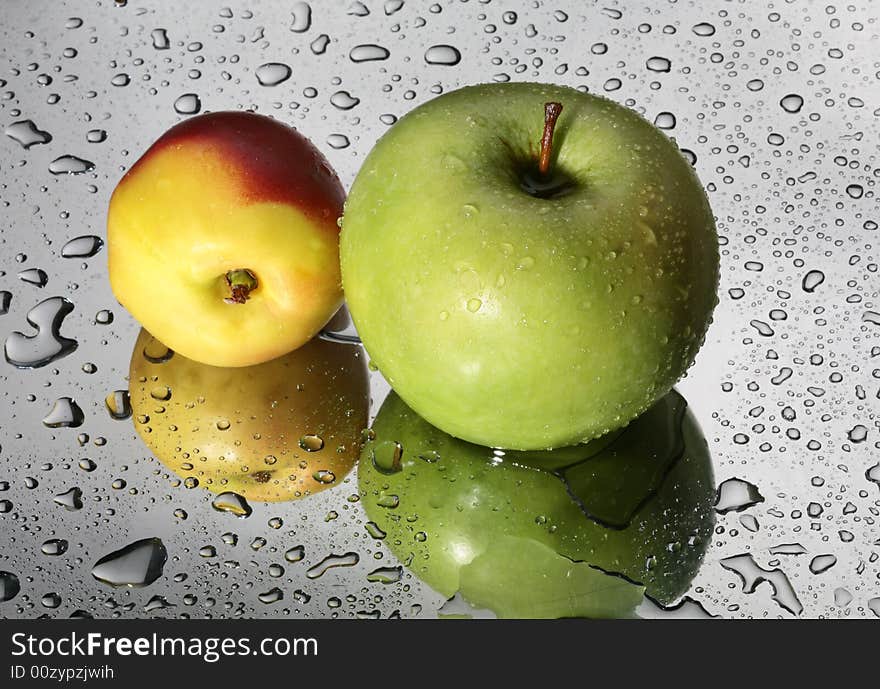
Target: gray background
{"points": [[792, 192]]}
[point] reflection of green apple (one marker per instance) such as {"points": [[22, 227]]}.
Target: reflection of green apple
{"points": [[516, 537], [525, 310]]}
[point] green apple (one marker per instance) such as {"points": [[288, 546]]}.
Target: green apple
{"points": [[529, 534], [525, 288]]}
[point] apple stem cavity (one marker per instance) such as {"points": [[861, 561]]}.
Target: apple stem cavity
{"points": [[552, 111], [241, 283]]}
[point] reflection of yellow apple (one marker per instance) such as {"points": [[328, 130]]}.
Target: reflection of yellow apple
{"points": [[275, 431]]}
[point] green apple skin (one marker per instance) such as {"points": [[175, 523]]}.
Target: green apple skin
{"points": [[640, 505], [522, 322]]}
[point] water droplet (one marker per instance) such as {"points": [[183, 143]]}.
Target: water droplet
{"points": [[70, 500], [324, 476], [842, 597], [751, 575], [704, 29], [311, 443], [387, 456], [85, 246], [47, 345], [338, 141], [319, 45], [658, 64], [34, 276], [5, 301], [96, 136], [121, 79], [858, 434], [136, 565], [331, 561], [812, 280], [104, 317], [9, 586], [736, 495], [665, 120], [873, 474], [822, 563], [788, 549], [273, 595], [368, 52], [27, 134], [118, 404], [295, 554], [388, 500], [157, 603], [66, 413], [855, 191], [612, 84], [302, 17], [474, 305], [160, 39], [157, 353], [762, 328], [343, 100], [373, 529], [187, 104], [232, 503], [70, 165], [385, 575], [442, 55], [160, 393], [50, 600], [273, 73], [792, 103], [872, 317], [54, 546], [392, 6]]}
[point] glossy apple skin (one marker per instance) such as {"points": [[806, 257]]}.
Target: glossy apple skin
{"points": [[640, 505], [239, 429], [522, 322], [219, 192]]}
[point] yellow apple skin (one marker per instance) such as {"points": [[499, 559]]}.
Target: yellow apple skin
{"points": [[223, 192], [240, 429]]}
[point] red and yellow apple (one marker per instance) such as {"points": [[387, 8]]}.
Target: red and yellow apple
{"points": [[275, 431], [223, 239]]}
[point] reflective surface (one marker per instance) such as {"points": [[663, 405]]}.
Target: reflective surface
{"points": [[777, 106]]}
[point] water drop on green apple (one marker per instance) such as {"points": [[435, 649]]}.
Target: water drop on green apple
{"points": [[386, 456]]}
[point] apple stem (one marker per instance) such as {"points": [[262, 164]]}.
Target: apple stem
{"points": [[551, 114], [241, 283]]}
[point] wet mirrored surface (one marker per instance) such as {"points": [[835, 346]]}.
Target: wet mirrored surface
{"points": [[776, 106]]}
